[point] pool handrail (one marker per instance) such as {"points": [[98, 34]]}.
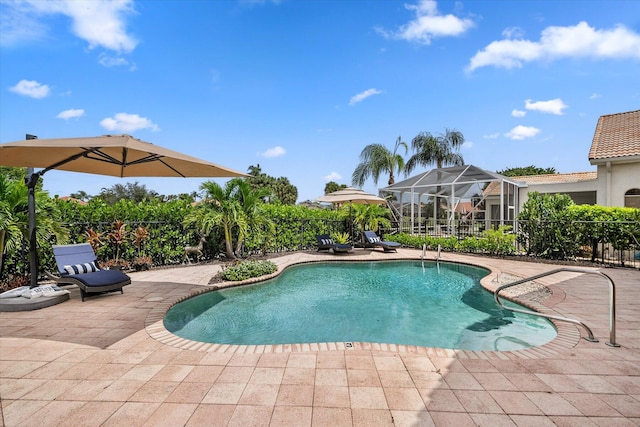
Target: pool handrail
{"points": [[590, 337]]}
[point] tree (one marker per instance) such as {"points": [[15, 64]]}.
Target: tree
{"points": [[332, 186], [376, 159], [128, 191], [250, 202], [436, 150], [235, 207], [284, 191], [81, 195], [439, 150], [220, 208], [279, 189], [526, 171]]}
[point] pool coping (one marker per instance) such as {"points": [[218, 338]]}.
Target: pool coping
{"points": [[567, 335]]}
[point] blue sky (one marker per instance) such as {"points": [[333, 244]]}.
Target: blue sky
{"points": [[302, 86]]}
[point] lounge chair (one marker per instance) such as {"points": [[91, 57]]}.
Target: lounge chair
{"points": [[325, 243], [371, 240], [77, 266]]}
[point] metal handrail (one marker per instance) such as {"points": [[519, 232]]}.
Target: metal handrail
{"points": [[591, 338]]}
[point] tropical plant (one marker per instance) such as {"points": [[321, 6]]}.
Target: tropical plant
{"points": [[441, 150], [369, 217], [221, 207], [117, 236], [376, 159], [250, 202], [341, 238], [139, 236], [14, 217]]}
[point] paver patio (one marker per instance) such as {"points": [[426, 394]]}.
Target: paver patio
{"points": [[108, 361]]}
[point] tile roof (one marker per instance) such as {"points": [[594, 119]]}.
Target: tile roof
{"points": [[493, 188], [616, 135]]}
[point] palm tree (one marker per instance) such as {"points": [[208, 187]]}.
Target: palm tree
{"points": [[250, 202], [439, 151], [236, 208], [220, 208], [376, 159]]}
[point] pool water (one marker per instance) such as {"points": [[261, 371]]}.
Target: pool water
{"points": [[396, 302]]}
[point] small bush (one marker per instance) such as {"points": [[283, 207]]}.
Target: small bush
{"points": [[247, 270]]}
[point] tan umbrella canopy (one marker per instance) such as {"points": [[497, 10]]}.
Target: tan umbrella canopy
{"points": [[351, 195], [113, 155]]}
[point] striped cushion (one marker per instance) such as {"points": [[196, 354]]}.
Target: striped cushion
{"points": [[326, 241], [87, 267]]}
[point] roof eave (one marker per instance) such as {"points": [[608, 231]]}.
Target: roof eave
{"points": [[619, 159]]}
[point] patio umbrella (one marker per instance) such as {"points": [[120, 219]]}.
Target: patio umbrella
{"points": [[112, 155], [351, 195]]}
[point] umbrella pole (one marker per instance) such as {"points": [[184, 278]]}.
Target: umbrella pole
{"points": [[31, 180]]}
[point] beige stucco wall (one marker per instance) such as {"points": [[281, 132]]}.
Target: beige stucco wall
{"points": [[563, 187], [616, 179]]}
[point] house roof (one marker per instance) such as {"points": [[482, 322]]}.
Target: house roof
{"points": [[616, 135], [554, 178]]}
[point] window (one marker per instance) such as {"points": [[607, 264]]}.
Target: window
{"points": [[632, 198]]}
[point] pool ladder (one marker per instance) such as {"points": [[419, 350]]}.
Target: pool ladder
{"points": [[424, 252], [590, 337]]}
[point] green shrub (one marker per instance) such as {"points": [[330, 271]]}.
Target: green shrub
{"points": [[500, 241], [248, 269], [546, 226]]}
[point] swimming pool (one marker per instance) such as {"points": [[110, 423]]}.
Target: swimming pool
{"points": [[394, 302]]}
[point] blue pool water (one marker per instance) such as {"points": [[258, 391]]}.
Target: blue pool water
{"points": [[396, 302]]}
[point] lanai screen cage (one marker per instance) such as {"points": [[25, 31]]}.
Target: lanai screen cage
{"points": [[448, 199]]}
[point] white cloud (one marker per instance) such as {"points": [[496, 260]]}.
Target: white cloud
{"points": [[595, 96], [276, 151], [512, 33], [492, 136], [518, 113], [70, 114], [364, 95], [578, 41], [124, 122], [31, 88], [521, 132], [333, 176], [99, 22], [467, 145], [553, 106], [112, 61], [428, 24]]}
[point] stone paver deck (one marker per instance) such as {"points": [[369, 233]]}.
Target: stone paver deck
{"points": [[109, 362]]}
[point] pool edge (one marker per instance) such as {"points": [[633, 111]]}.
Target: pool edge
{"points": [[567, 335]]}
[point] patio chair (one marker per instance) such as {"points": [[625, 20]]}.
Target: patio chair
{"points": [[77, 266], [371, 240], [325, 242]]}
